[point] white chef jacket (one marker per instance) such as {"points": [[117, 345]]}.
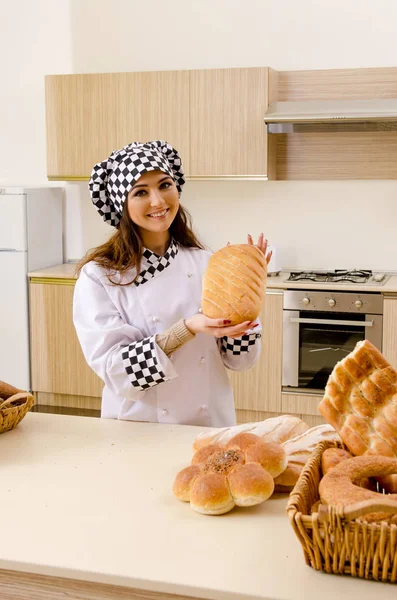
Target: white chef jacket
{"points": [[116, 327]]}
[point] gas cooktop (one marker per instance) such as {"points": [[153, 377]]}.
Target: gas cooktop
{"points": [[361, 276]]}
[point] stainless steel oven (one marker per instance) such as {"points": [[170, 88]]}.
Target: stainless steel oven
{"points": [[321, 328]]}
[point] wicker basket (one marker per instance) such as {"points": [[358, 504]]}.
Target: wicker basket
{"points": [[14, 404], [332, 539]]}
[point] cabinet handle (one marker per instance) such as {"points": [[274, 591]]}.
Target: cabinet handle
{"points": [[332, 322]]}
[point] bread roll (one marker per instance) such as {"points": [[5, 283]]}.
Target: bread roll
{"points": [[360, 402], [202, 455], [234, 284], [271, 456], [210, 495], [332, 457], [242, 441], [276, 429], [184, 481], [287, 480], [250, 484]]}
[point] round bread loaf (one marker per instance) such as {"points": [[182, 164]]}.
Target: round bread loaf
{"points": [[338, 486], [210, 494], [250, 484], [234, 284]]}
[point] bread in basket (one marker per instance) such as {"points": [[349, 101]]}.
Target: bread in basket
{"points": [[14, 404]]}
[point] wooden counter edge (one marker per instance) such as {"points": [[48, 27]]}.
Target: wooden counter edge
{"points": [[53, 280], [17, 585]]}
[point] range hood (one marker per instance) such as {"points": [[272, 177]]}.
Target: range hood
{"points": [[378, 114]]}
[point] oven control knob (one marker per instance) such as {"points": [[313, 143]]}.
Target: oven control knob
{"points": [[306, 301], [358, 304], [331, 302]]}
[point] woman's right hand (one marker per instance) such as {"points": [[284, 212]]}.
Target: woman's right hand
{"points": [[199, 323]]}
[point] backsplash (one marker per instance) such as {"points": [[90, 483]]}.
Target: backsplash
{"points": [[314, 224]]}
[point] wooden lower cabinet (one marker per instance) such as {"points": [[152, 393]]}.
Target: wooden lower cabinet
{"points": [[60, 374], [304, 404], [61, 377], [389, 334], [257, 392]]}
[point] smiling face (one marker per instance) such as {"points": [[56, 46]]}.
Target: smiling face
{"points": [[153, 203]]}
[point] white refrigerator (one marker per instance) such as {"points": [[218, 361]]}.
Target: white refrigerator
{"points": [[30, 239]]}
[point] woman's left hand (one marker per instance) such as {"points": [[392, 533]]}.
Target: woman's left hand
{"points": [[262, 245]]}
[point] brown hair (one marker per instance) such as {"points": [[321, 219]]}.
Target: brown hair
{"points": [[124, 249]]}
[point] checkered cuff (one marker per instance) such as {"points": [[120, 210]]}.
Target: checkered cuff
{"points": [[140, 362], [239, 345]]}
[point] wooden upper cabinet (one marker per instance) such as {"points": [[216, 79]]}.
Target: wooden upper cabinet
{"points": [[89, 116], [227, 131]]}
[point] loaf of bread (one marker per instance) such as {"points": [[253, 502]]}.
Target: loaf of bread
{"points": [[360, 402], [298, 450], [276, 429], [234, 284]]}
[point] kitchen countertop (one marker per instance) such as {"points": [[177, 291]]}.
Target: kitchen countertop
{"points": [[91, 499], [64, 271], [68, 271]]}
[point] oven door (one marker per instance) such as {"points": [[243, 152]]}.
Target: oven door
{"points": [[313, 342]]}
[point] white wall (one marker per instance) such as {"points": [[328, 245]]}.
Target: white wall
{"points": [[316, 224]]}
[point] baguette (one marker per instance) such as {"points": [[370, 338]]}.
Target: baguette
{"points": [[298, 451], [275, 429]]}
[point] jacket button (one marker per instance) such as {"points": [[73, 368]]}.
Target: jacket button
{"points": [[189, 274], [202, 359], [164, 412], [203, 407], [155, 319]]}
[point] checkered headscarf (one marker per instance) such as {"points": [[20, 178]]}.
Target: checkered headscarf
{"points": [[112, 179]]}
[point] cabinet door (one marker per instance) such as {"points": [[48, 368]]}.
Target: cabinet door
{"points": [[89, 116], [389, 338], [227, 131], [58, 364], [259, 388]]}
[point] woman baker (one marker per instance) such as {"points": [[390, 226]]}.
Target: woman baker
{"points": [[137, 300]]}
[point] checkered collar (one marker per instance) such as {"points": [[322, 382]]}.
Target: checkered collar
{"points": [[156, 263]]}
